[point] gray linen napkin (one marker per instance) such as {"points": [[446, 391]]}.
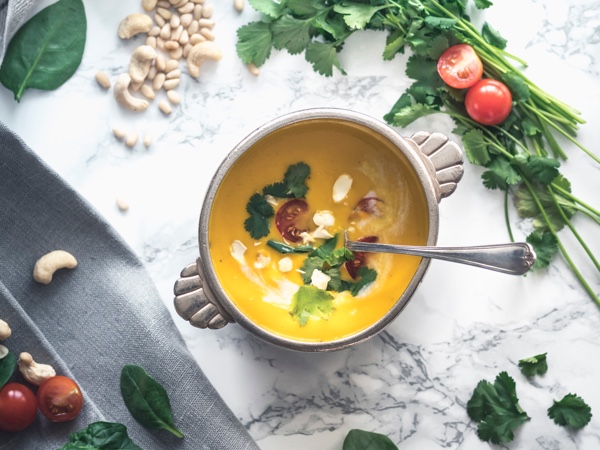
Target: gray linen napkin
{"points": [[12, 15], [92, 320]]}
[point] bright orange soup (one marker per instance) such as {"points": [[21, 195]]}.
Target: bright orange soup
{"points": [[331, 148]]}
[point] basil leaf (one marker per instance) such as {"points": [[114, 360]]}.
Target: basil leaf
{"points": [[147, 400], [8, 364], [101, 436], [47, 50], [366, 440]]}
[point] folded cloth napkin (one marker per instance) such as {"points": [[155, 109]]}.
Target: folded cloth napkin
{"points": [[12, 15], [92, 320]]}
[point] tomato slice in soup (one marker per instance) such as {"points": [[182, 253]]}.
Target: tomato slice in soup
{"points": [[360, 258], [289, 219]]}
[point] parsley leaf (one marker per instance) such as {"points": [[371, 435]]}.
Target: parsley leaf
{"points": [[254, 43], [311, 301], [545, 247], [295, 179], [323, 58], [291, 33], [493, 37], [534, 365], [260, 210], [570, 411], [496, 408]]}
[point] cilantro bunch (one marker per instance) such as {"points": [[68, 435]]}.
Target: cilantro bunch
{"points": [[521, 156]]}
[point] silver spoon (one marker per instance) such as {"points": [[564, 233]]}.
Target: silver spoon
{"points": [[514, 258]]}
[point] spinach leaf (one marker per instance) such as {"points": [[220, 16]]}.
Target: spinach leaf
{"points": [[366, 440], [47, 50], [101, 436], [147, 400], [8, 365]]}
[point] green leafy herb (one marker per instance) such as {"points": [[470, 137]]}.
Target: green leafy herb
{"points": [[570, 411], [520, 156], [8, 364], [42, 55], [367, 276], [311, 301], [260, 211], [101, 436], [282, 247], [295, 179], [535, 365], [147, 400], [496, 409], [366, 440]]}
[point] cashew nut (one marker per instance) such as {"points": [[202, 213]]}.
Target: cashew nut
{"points": [[3, 351], [149, 5], [134, 24], [124, 97], [48, 264], [200, 53], [33, 372], [140, 62], [5, 331]]}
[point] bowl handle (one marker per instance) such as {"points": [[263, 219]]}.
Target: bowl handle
{"points": [[195, 302], [443, 159]]}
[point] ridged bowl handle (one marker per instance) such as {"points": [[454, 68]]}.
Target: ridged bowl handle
{"points": [[443, 159], [195, 302]]}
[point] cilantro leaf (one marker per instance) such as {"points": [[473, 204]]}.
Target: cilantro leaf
{"points": [[260, 210], [496, 408], [339, 256], [527, 207], [309, 265], [493, 37], [570, 411], [326, 249], [333, 25], [409, 114], [394, 43], [483, 4], [517, 86], [291, 34], [254, 43], [284, 248], [545, 247], [323, 58], [424, 69], [305, 7], [367, 276], [476, 147], [534, 365], [311, 301], [295, 179], [403, 102], [442, 23], [267, 7], [356, 15], [278, 190], [438, 45], [500, 175]]}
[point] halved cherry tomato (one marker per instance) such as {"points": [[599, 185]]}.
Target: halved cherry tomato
{"points": [[371, 205], [488, 102], [289, 218], [18, 407], [59, 398], [359, 258], [460, 67]]}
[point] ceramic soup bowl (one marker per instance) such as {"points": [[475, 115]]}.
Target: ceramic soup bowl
{"points": [[272, 223]]}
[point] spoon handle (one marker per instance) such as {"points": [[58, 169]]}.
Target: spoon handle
{"points": [[513, 259]]}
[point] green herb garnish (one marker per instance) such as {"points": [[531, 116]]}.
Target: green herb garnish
{"points": [[496, 409], [535, 365], [43, 55], [260, 210], [101, 436], [8, 364], [521, 156], [147, 400], [570, 411], [310, 300], [367, 440], [284, 248]]}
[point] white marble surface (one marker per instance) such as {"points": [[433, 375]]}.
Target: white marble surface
{"points": [[413, 380]]}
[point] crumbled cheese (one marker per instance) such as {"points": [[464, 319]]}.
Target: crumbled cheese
{"points": [[262, 261], [341, 187], [307, 238], [237, 250], [321, 233], [319, 279], [323, 219], [285, 264]]}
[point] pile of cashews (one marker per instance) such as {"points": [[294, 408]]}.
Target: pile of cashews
{"points": [[175, 30]]}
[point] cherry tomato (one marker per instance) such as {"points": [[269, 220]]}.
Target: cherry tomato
{"points": [[359, 258], [59, 398], [460, 67], [18, 407], [488, 102], [289, 218]]}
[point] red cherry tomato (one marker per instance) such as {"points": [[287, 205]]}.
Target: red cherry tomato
{"points": [[289, 218], [18, 407], [460, 67], [359, 258], [488, 102], [59, 399]]}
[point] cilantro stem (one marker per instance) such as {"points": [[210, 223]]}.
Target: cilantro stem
{"points": [[507, 218], [570, 196]]}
